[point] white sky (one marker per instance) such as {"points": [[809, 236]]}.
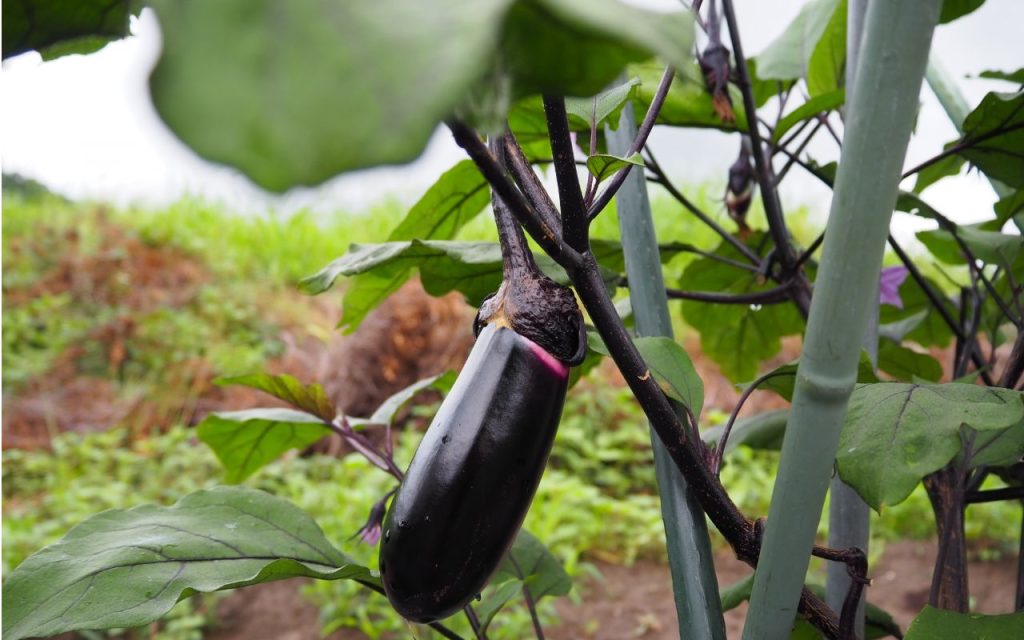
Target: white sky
{"points": [[84, 126]]}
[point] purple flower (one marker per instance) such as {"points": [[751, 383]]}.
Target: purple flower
{"points": [[889, 286], [371, 531]]}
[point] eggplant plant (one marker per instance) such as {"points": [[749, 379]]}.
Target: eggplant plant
{"points": [[294, 93]]}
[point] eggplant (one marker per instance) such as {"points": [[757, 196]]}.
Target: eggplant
{"points": [[471, 481]]}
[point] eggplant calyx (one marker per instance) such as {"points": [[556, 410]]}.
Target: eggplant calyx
{"points": [[537, 308]]}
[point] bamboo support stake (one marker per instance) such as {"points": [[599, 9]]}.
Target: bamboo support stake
{"points": [[879, 122], [691, 561]]}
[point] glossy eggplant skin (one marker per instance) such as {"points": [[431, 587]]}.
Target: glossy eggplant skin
{"points": [[471, 481]]}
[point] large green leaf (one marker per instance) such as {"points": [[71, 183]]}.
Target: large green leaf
{"points": [[788, 56], [1009, 207], [810, 109], [126, 568], [294, 93], [948, 166], [310, 398], [528, 563], [61, 27], [939, 624], [246, 440], [736, 336], [993, 137], [826, 68], [897, 433]]}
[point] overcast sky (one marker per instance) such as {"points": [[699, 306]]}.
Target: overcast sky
{"points": [[84, 126]]}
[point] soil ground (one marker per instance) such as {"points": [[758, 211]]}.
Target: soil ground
{"points": [[636, 601]]}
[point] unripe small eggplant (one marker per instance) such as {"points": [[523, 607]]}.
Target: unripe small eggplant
{"points": [[472, 479]]}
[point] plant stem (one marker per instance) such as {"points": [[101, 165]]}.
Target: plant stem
{"points": [[531, 185], [574, 212], [880, 120], [698, 607]]}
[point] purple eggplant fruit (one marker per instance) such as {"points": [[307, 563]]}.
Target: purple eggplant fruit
{"points": [[472, 479]]}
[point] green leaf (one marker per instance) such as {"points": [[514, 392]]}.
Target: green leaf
{"points": [[993, 137], [736, 336], [577, 47], [788, 56], [688, 103], [953, 9], [474, 268], [309, 398], [605, 106], [246, 440], [1009, 207], [762, 431], [56, 28], [782, 379], [126, 568], [948, 166], [897, 433], [939, 624], [826, 69], [603, 165], [819, 104], [385, 413], [457, 197], [528, 563], [991, 247], [1016, 77], [295, 93], [670, 366], [906, 364]]}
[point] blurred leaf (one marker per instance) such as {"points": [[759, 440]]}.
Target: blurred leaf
{"points": [[1016, 77], [531, 563], [295, 93], [604, 106], [761, 431], [826, 68], [932, 624], [494, 599], [128, 568], [928, 328], [1009, 207], [993, 136], [897, 433], [603, 166], [991, 247], [765, 89], [736, 336], [788, 56], [309, 398], [953, 9], [906, 364], [810, 109], [246, 440], [61, 27]]}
